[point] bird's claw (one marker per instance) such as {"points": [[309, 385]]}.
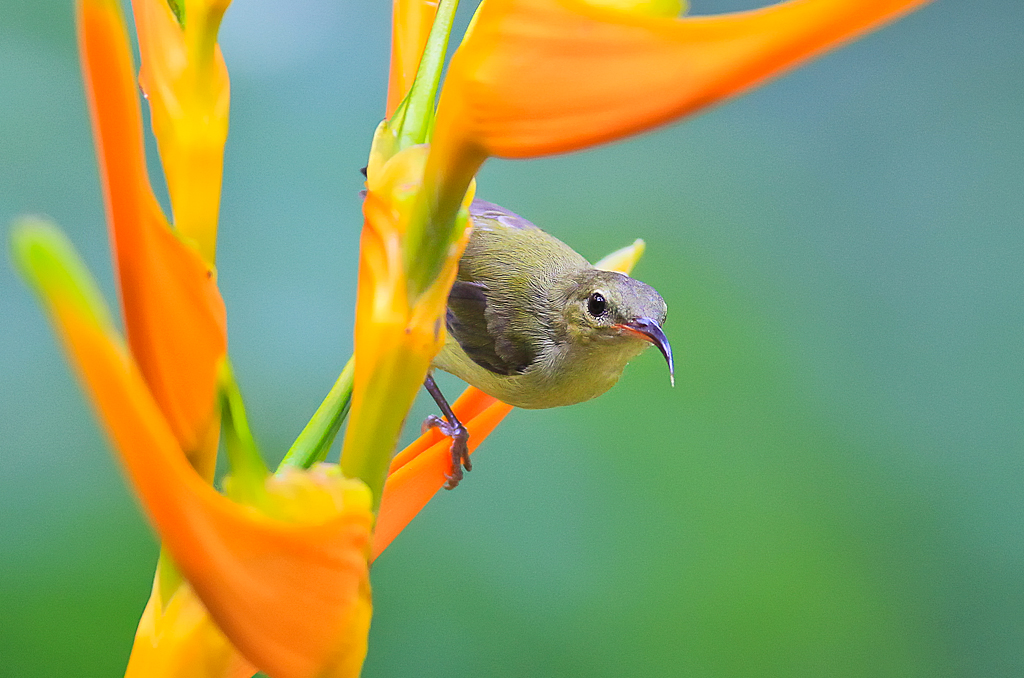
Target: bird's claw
{"points": [[460, 447]]}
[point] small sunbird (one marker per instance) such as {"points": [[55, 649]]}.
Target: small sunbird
{"points": [[533, 324]]}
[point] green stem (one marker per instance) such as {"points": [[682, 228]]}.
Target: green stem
{"points": [[435, 222], [170, 578], [418, 113], [248, 471], [315, 440], [178, 7], [374, 429]]}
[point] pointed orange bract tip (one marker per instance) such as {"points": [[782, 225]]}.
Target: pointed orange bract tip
{"points": [[173, 312], [537, 77], [411, 21]]}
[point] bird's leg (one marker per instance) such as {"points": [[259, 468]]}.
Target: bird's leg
{"points": [[451, 427]]}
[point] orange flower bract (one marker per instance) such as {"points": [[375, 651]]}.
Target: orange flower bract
{"points": [[283, 580], [177, 638], [536, 77], [294, 596], [173, 312], [397, 333]]}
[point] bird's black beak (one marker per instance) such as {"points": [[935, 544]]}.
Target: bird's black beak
{"points": [[651, 331]]}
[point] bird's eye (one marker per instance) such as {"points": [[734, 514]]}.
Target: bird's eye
{"points": [[596, 304]]}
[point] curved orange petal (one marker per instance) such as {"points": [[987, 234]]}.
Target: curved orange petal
{"points": [[294, 598], [173, 312], [410, 26], [536, 77]]}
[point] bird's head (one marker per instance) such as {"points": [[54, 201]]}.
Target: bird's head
{"points": [[612, 309]]}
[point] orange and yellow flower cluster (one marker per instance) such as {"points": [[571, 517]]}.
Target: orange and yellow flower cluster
{"points": [[272, 574]]}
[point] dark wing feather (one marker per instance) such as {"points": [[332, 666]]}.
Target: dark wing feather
{"points": [[507, 261], [467, 323]]}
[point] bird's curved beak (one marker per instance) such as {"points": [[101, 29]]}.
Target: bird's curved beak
{"points": [[651, 331]]}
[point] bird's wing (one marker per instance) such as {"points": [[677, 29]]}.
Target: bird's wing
{"points": [[507, 262], [474, 329]]}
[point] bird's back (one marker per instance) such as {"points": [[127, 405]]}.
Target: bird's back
{"points": [[512, 254]]}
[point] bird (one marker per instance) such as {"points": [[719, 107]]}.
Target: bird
{"points": [[532, 323]]}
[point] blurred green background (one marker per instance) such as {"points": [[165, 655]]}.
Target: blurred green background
{"points": [[835, 487]]}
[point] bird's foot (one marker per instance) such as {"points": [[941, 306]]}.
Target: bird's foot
{"points": [[460, 447]]}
